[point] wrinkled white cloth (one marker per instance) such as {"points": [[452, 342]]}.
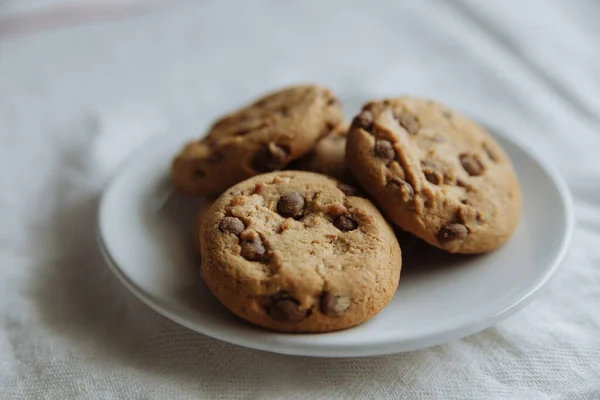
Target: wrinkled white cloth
{"points": [[75, 100]]}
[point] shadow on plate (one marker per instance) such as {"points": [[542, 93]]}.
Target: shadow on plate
{"points": [[421, 258]]}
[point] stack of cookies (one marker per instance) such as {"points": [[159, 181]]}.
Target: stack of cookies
{"points": [[296, 234]]}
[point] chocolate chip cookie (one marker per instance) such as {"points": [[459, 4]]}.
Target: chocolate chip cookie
{"points": [[263, 136], [435, 173], [290, 251], [198, 223], [328, 157]]}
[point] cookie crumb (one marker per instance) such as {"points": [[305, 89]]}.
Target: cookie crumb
{"points": [[258, 188], [285, 225]]}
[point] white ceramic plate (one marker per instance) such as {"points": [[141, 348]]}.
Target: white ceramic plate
{"points": [[145, 234]]}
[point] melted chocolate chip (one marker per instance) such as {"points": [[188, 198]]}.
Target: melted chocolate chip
{"points": [[253, 249], [286, 310], [364, 120], [384, 150], [291, 205], [232, 225], [471, 164], [345, 223], [333, 305], [431, 172], [271, 157], [407, 193], [452, 232], [408, 122]]}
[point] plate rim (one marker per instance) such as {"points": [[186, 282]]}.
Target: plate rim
{"points": [[383, 346]]}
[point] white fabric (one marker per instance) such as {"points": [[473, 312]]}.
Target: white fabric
{"points": [[74, 100]]}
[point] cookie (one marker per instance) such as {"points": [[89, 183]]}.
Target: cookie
{"points": [[289, 251], [435, 173], [263, 136], [198, 223], [328, 157]]}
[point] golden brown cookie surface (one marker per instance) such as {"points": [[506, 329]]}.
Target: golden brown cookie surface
{"points": [[261, 137], [435, 173], [290, 251]]}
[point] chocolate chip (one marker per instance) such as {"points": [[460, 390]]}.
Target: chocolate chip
{"points": [[471, 164], [384, 150], [237, 201], [408, 122], [452, 232], [333, 305], [466, 202], [431, 172], [348, 189], [345, 223], [253, 249], [489, 152], [332, 101], [434, 177], [291, 204], [286, 310], [406, 190], [270, 158], [232, 225], [364, 120]]}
